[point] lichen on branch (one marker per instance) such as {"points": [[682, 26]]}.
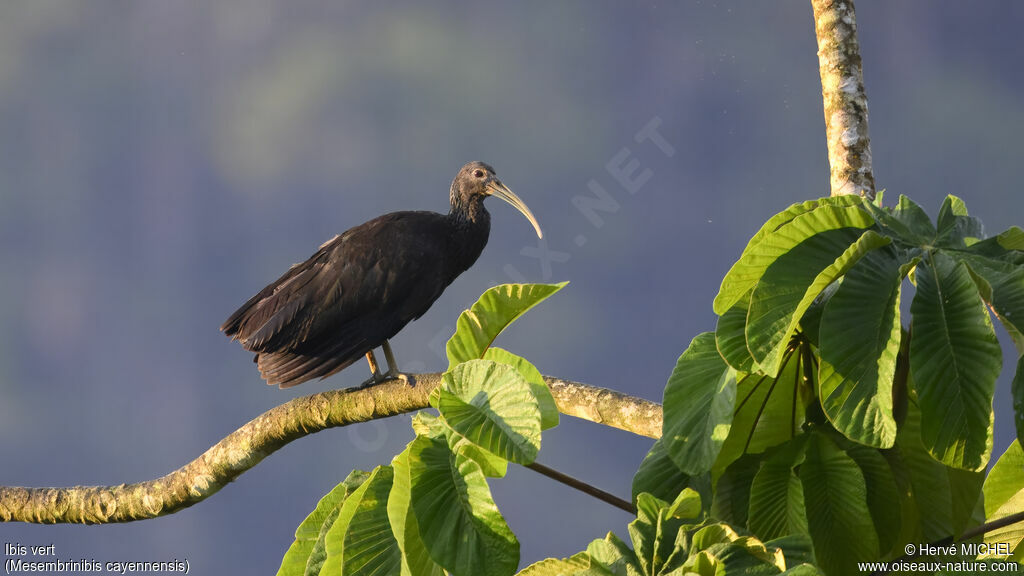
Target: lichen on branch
{"points": [[247, 446]]}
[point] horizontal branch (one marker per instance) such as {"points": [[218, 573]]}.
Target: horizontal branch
{"points": [[247, 446]]}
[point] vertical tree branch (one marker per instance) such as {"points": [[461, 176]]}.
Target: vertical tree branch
{"points": [[846, 102]]}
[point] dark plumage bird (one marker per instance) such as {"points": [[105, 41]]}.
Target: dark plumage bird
{"points": [[364, 285]]}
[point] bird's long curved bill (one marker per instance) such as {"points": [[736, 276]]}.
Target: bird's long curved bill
{"points": [[501, 191]]}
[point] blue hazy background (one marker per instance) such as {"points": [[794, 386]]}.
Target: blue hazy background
{"points": [[160, 162]]}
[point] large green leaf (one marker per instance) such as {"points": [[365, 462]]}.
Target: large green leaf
{"points": [[792, 282], [1001, 283], [731, 337], [298, 557], [575, 564], [651, 544], [1004, 495], [492, 405], [965, 492], [1005, 479], [1012, 239], [928, 480], [612, 556], [906, 222], [458, 520], [491, 465], [415, 558], [911, 214], [360, 541], [883, 495], [731, 500], [955, 227], [498, 307], [859, 341], [545, 401], [747, 557], [660, 528], [769, 411], [659, 475], [783, 232], [909, 529], [837, 508], [777, 495], [1017, 391], [954, 361], [698, 405]]}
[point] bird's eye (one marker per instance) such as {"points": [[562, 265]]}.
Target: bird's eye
{"points": [[478, 173]]}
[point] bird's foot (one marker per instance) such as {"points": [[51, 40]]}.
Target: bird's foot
{"points": [[409, 380], [382, 378]]}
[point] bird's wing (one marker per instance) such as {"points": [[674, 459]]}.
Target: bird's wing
{"points": [[356, 287]]}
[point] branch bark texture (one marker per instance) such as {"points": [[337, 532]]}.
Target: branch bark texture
{"points": [[846, 102], [247, 446]]}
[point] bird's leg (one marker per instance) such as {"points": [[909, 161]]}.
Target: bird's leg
{"points": [[375, 376], [393, 371]]}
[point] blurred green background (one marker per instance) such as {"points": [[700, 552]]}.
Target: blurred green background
{"points": [[161, 161]]}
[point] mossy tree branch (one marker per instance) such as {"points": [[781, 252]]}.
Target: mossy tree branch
{"points": [[846, 102], [247, 446]]}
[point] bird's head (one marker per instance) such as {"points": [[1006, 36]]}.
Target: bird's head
{"points": [[476, 181]]}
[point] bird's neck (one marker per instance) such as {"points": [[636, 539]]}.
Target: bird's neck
{"points": [[471, 214], [471, 226]]}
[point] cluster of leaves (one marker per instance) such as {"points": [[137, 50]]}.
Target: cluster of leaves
{"points": [[811, 431], [812, 409], [678, 539], [430, 511]]}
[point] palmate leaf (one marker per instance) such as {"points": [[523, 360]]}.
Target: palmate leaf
{"points": [[928, 481], [496, 308], [1012, 239], [777, 495], [612, 557], [458, 521], [1017, 391], [650, 544], [965, 491], [731, 337], [731, 500], [571, 566], [954, 362], [1004, 495], [698, 405], [298, 557], [859, 342], [659, 529], [545, 401], [883, 495], [955, 227], [360, 542], [493, 406], [415, 558], [1000, 281], [719, 546], [769, 411], [792, 282], [837, 508], [491, 465], [909, 529], [659, 475], [906, 222], [780, 234]]}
